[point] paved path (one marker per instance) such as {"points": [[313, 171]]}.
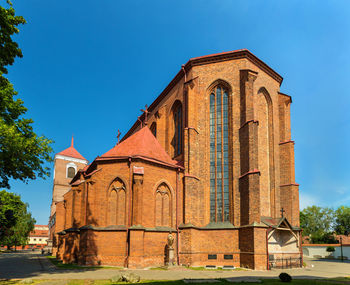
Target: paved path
{"points": [[23, 265], [33, 265]]}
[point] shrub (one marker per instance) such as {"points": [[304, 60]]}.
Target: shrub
{"points": [[330, 249], [285, 277]]}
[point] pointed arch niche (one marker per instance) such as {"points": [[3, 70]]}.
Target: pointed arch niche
{"points": [[116, 203], [264, 115], [153, 129], [163, 206], [176, 128], [219, 129]]}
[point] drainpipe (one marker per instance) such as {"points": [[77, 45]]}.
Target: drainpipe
{"points": [[267, 247], [186, 120], [128, 218], [177, 216], [301, 247], [86, 201]]}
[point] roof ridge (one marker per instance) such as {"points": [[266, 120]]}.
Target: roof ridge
{"points": [[142, 144], [71, 152]]}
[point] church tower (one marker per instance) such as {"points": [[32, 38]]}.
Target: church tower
{"points": [[66, 165]]}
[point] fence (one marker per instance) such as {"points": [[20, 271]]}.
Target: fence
{"points": [[285, 263]]}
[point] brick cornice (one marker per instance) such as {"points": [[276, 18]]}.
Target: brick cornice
{"points": [[290, 141], [202, 60], [248, 122], [283, 94], [149, 159], [255, 171], [243, 53], [290, 184], [248, 75], [191, 176]]}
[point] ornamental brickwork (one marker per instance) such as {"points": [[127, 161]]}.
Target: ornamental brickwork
{"points": [[121, 208]]}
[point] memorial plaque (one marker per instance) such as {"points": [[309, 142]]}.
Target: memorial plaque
{"points": [[138, 170]]}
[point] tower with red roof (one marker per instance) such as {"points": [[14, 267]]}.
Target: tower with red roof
{"points": [[67, 163]]}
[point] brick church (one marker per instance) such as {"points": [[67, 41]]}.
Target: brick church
{"points": [[210, 161]]}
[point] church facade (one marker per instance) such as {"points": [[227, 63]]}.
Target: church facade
{"points": [[211, 161]]}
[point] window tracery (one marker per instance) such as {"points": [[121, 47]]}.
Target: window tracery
{"points": [[219, 165]]}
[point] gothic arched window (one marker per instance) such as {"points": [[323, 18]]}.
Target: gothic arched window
{"points": [[116, 203], [219, 167], [177, 112], [153, 129], [70, 172]]}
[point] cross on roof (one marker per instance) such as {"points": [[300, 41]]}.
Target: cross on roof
{"points": [[282, 212], [118, 136], [146, 113]]}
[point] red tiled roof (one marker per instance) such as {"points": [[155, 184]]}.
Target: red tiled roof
{"points": [[345, 239], [140, 144], [39, 233], [72, 152]]}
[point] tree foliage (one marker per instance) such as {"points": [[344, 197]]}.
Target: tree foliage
{"points": [[320, 224], [342, 220], [15, 231], [22, 151], [317, 222]]}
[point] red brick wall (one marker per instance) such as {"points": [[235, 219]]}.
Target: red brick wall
{"points": [[261, 174]]}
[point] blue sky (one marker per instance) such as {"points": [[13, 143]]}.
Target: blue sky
{"points": [[90, 66]]}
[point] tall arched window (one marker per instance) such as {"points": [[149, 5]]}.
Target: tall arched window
{"points": [[219, 169], [177, 111]]}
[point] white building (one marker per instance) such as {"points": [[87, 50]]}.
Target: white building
{"points": [[39, 236]]}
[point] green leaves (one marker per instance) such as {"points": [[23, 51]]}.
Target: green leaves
{"points": [[317, 222], [22, 151], [14, 230], [320, 223], [342, 220], [9, 49]]}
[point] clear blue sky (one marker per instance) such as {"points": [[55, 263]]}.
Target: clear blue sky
{"points": [[90, 66]]}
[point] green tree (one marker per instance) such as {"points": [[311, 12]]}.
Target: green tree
{"points": [[342, 220], [317, 222], [22, 151], [16, 231]]}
